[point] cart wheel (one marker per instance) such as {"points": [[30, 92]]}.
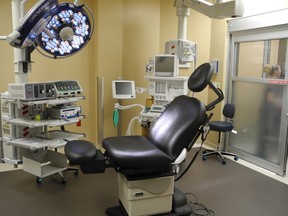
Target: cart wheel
{"points": [[236, 158], [39, 180], [223, 162], [76, 173], [204, 158]]}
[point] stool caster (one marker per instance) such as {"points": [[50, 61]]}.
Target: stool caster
{"points": [[39, 180], [63, 181]]}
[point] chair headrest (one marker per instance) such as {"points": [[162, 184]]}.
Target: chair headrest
{"points": [[200, 78]]}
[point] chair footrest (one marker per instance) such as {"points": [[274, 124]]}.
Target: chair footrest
{"points": [[98, 165]]}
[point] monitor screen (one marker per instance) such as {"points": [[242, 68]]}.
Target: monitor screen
{"points": [[123, 89], [166, 65]]}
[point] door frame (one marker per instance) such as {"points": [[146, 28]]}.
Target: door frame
{"points": [[267, 26]]}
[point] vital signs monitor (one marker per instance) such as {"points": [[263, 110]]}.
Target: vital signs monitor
{"points": [[166, 65], [123, 89]]}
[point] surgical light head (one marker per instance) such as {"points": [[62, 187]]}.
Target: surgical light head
{"points": [[71, 30], [59, 29]]}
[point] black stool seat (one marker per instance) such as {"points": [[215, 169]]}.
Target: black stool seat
{"points": [[221, 126], [135, 152], [80, 151]]}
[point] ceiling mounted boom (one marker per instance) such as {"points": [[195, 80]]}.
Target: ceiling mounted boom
{"points": [[219, 10]]}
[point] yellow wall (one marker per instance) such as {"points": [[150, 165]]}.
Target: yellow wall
{"points": [[6, 53], [147, 26], [127, 33], [218, 51], [141, 21], [109, 45]]}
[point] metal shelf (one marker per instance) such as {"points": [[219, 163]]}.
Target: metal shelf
{"points": [[57, 101], [49, 122], [52, 139]]}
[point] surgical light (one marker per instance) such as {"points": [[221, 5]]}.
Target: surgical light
{"points": [[59, 29], [70, 28]]}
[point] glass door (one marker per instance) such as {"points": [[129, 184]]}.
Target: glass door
{"points": [[258, 82]]}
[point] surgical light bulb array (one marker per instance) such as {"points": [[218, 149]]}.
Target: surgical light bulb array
{"points": [[70, 28]]}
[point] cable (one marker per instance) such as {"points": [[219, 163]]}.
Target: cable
{"points": [[203, 131], [198, 209], [130, 129], [191, 162]]}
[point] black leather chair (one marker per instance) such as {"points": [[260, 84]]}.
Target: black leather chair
{"points": [[144, 164], [222, 127]]}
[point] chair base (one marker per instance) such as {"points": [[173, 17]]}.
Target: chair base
{"points": [[180, 207], [118, 211], [155, 194], [220, 153]]}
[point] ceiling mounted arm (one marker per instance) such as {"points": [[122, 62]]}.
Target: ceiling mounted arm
{"points": [[219, 10], [32, 24]]}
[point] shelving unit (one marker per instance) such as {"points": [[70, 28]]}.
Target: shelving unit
{"points": [[29, 140]]}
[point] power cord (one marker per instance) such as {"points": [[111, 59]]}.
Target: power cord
{"points": [[203, 131], [198, 209], [189, 165]]}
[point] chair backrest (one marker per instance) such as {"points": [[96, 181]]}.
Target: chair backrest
{"points": [[179, 123], [229, 110], [181, 120], [200, 77]]}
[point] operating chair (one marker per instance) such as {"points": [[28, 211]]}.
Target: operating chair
{"points": [[222, 127], [144, 164]]}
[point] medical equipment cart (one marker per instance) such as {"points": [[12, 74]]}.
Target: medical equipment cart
{"points": [[28, 137]]}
